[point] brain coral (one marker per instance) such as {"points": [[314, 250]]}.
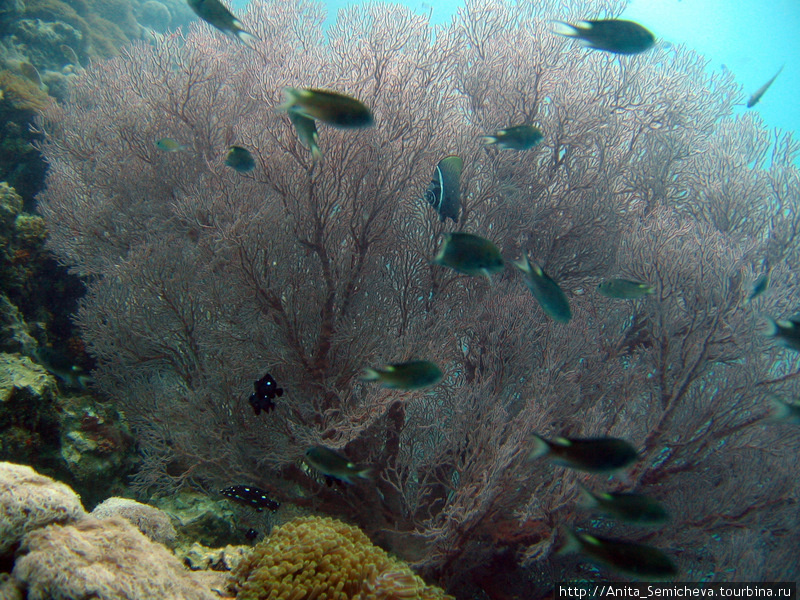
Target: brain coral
{"points": [[313, 558]]}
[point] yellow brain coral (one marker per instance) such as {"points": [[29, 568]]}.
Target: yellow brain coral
{"points": [[316, 558]]}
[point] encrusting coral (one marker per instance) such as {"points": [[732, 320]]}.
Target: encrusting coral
{"points": [[320, 557]]}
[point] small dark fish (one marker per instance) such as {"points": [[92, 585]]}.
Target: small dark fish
{"points": [[332, 464], [628, 557], [546, 291], [612, 35], [329, 107], [444, 194], [266, 390], [306, 129], [469, 254], [520, 137], [412, 375], [624, 289], [753, 100], [169, 145], [62, 366], [251, 496], [786, 332], [595, 455], [251, 534], [240, 159], [215, 14], [633, 508], [759, 287]]}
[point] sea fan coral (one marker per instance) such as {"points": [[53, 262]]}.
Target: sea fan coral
{"points": [[315, 557]]}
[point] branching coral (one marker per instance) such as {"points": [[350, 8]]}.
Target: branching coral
{"points": [[314, 557]]}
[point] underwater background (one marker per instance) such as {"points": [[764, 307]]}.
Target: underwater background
{"points": [[518, 311]]}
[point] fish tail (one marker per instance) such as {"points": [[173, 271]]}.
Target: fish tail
{"points": [[772, 328], [523, 264], [370, 375], [572, 544], [247, 38], [587, 500], [84, 381], [565, 29], [290, 98], [780, 410], [489, 139], [364, 473], [316, 153], [540, 448]]}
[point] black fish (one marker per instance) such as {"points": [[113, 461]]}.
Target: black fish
{"points": [[251, 496], [443, 192], [643, 561], [596, 455], [266, 389], [612, 35]]}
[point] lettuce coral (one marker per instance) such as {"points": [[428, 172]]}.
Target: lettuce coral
{"points": [[319, 557]]}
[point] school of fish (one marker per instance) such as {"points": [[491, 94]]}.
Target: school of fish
{"points": [[473, 255]]}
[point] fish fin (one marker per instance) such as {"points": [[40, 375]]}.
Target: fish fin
{"points": [[247, 38], [540, 448], [489, 139], [279, 392], [488, 275], [364, 473]]}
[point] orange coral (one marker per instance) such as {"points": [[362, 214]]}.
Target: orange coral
{"points": [[319, 557]]}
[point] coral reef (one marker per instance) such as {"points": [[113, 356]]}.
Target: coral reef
{"points": [[29, 427], [68, 435], [320, 557], [151, 521], [102, 559], [63, 553], [29, 501]]}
